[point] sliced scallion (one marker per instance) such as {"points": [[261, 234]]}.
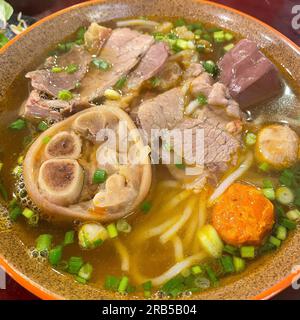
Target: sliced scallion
{"points": [[55, 255], [247, 252], [86, 271], [18, 124], [112, 230], [43, 242], [69, 237], [74, 265], [123, 284]]}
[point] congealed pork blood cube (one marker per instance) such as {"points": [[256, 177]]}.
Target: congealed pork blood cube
{"points": [[249, 75]]}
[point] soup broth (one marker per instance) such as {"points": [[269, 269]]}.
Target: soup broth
{"points": [[164, 246]]}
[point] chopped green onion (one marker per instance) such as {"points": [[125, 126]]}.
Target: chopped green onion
{"points": [[196, 270], [80, 33], [43, 242], [100, 176], [75, 263], [123, 284], [211, 275], [267, 247], [284, 195], [55, 255], [120, 83], [181, 44], [69, 237], [239, 264], [1, 165], [46, 139], [228, 47], [228, 36], [264, 167], [65, 95], [15, 212], [195, 27], [293, 215], [202, 100], [3, 40], [65, 47], [71, 68], [287, 177], [281, 232], [112, 94], [179, 22], [219, 36], [289, 224], [101, 64], [276, 242], [123, 226], [86, 271], [155, 81], [43, 126], [158, 36], [56, 69], [198, 32], [34, 219], [210, 67], [250, 139], [147, 286], [146, 206], [227, 264], [247, 252], [268, 184], [230, 249], [20, 160], [80, 280], [18, 124], [112, 230], [111, 283], [269, 193], [27, 213]]}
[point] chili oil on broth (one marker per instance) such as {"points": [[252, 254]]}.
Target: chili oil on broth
{"points": [[150, 257]]}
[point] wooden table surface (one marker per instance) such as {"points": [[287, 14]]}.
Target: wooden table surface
{"points": [[277, 13]]}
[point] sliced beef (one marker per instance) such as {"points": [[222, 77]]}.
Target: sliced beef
{"points": [[162, 112], [193, 71], [95, 37], [220, 145], [123, 50], [149, 66], [202, 84], [38, 107], [51, 83], [250, 76], [169, 76]]}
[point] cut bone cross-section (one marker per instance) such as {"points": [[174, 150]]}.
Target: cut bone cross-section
{"points": [[64, 145], [61, 180]]}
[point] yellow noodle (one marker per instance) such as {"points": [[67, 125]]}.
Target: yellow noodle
{"points": [[124, 256], [156, 231], [169, 184], [189, 232], [178, 248], [180, 223], [202, 209], [178, 267]]}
